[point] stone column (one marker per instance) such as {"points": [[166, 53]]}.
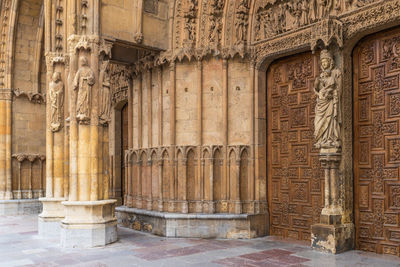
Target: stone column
{"points": [[89, 215], [53, 211], [332, 234]]}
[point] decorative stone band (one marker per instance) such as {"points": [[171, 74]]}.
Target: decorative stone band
{"points": [[5, 94]]}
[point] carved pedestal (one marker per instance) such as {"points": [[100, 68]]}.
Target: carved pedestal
{"points": [[330, 235], [88, 224], [51, 216]]}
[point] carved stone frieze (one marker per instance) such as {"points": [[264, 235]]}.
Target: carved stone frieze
{"points": [[4, 30], [380, 13], [118, 83], [273, 18]]}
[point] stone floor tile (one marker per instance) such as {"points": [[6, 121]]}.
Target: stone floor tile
{"points": [[20, 245]]}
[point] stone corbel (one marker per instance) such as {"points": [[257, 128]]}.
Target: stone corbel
{"points": [[35, 98], [139, 21], [326, 32]]}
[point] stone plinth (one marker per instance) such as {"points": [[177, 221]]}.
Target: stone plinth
{"points": [[88, 224], [235, 226], [332, 238], [51, 216], [20, 207]]}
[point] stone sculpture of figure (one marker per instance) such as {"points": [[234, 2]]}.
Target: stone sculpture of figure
{"points": [[83, 82], [305, 14], [190, 20], [241, 22], [56, 95], [313, 10], [105, 97], [296, 10], [328, 87]]}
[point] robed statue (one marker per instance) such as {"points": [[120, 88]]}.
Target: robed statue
{"points": [[328, 88], [83, 82], [56, 97], [105, 96]]}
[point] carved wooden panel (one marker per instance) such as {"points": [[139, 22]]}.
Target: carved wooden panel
{"points": [[377, 143], [295, 180]]}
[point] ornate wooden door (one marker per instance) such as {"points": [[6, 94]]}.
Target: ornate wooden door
{"points": [[124, 144], [377, 142], [295, 180]]}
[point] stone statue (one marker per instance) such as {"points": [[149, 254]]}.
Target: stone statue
{"points": [[241, 21], [105, 97], [83, 82], [56, 94], [328, 89]]}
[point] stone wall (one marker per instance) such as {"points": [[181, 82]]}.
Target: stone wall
{"points": [[28, 106]]}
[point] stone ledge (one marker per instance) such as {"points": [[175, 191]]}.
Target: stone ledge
{"points": [[235, 226], [20, 207], [169, 215]]}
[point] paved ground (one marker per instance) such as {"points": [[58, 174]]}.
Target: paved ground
{"points": [[21, 246]]}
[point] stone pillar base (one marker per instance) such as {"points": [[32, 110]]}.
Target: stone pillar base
{"points": [[51, 216], [332, 238], [88, 224], [20, 207]]}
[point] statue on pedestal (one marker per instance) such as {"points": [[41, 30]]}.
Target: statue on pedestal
{"points": [[83, 82], [328, 87], [56, 95]]}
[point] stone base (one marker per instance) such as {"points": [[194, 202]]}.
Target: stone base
{"points": [[233, 226], [49, 221], [20, 207], [332, 238], [88, 224]]}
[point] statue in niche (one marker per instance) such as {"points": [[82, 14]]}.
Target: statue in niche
{"points": [[241, 21], [83, 82], [215, 26], [305, 12], [295, 8], [105, 96], [190, 21], [56, 96], [328, 87]]}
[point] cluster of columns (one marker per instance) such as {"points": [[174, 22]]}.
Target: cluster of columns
{"points": [[76, 206], [5, 145]]}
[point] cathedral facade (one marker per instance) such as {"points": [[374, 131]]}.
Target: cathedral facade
{"points": [[203, 118]]}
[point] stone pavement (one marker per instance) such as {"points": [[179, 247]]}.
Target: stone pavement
{"points": [[21, 246]]}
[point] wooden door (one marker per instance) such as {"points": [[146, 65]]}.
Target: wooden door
{"points": [[124, 145], [377, 142], [295, 180]]}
